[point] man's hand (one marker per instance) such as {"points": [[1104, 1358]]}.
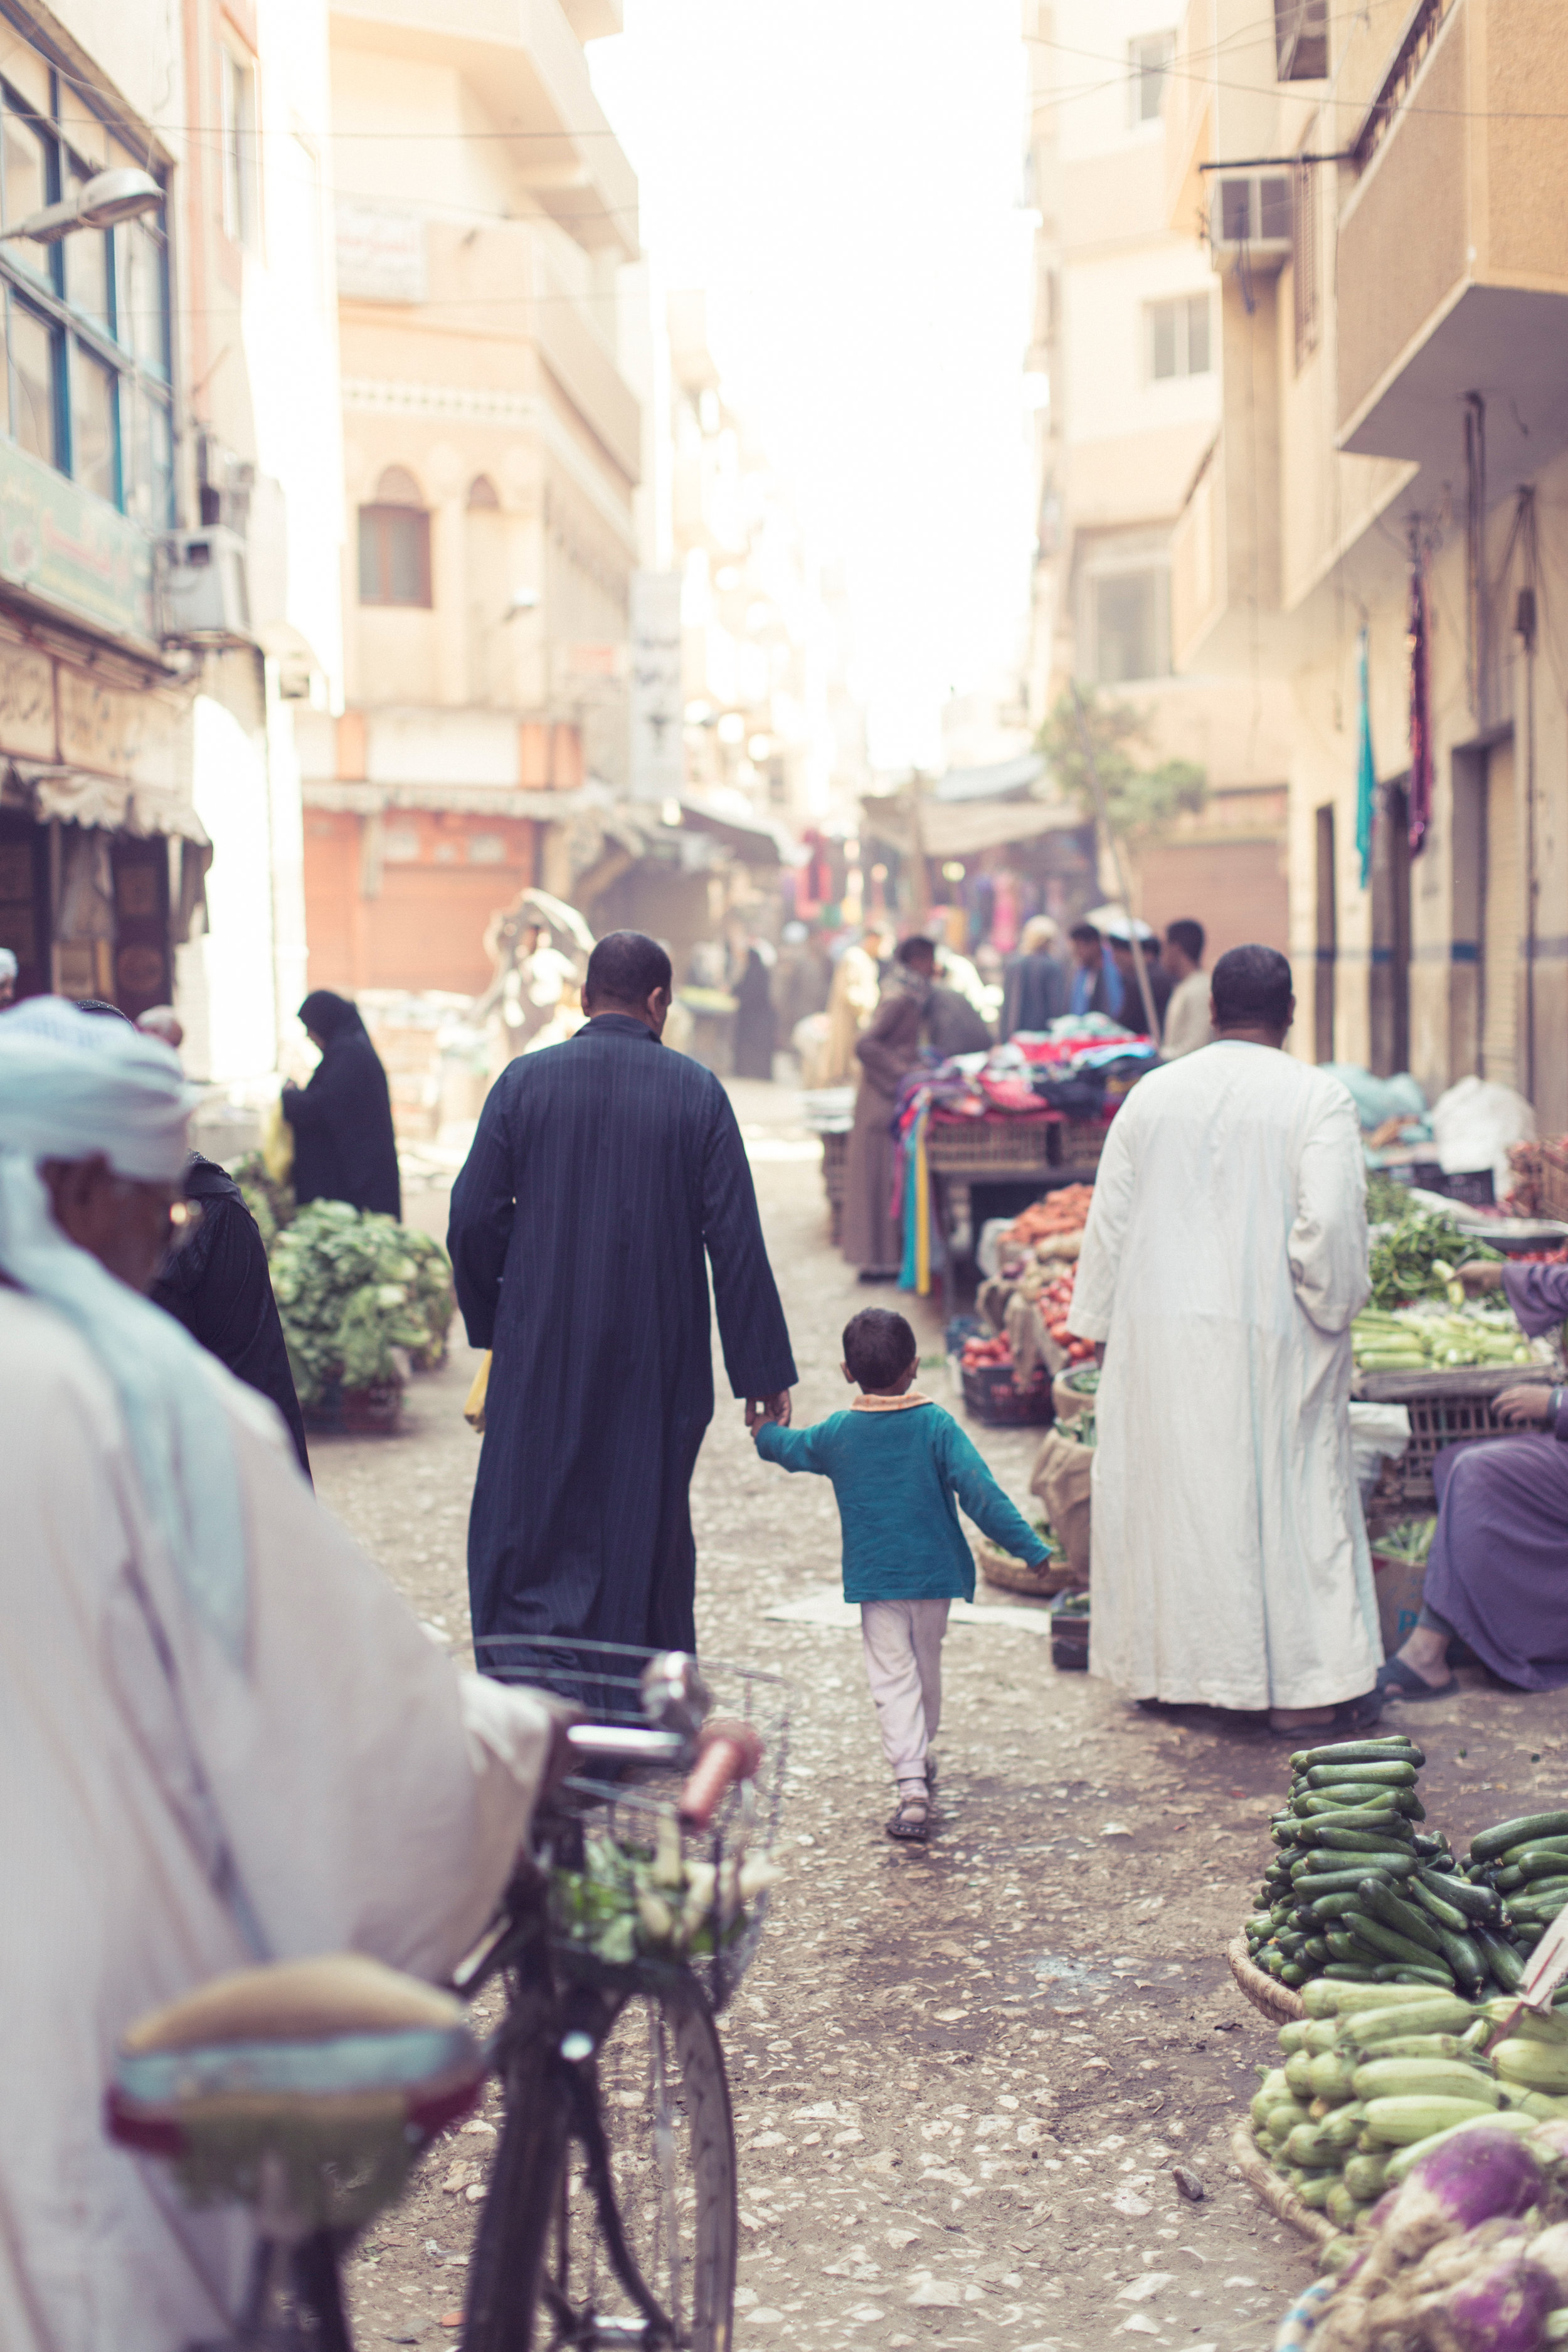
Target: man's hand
{"points": [[761, 1408], [1528, 1405], [1482, 1275]]}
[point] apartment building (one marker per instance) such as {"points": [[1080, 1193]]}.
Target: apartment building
{"points": [[1124, 387], [1387, 196], [170, 523], [492, 450]]}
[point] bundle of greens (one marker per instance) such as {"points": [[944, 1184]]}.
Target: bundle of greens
{"points": [[1415, 1258], [360, 1297], [631, 1901]]}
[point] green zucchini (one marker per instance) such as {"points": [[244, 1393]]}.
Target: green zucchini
{"points": [[1535, 1846], [1394, 1862], [1463, 1956], [1501, 1958], [1420, 2078], [1477, 1903], [1343, 1946], [1351, 2000], [1396, 1750], [1528, 1829], [1427, 2011], [1381, 1903], [1437, 1906], [1353, 1840], [1406, 1973], [1366, 2177], [1541, 1861], [1395, 2121], [1390, 1775]]}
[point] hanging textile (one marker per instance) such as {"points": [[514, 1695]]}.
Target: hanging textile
{"points": [[1366, 774], [1420, 708]]}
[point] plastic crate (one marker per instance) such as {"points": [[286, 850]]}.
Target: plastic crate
{"points": [[993, 1396], [1459, 1414]]}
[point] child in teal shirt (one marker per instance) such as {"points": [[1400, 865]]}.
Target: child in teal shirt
{"points": [[897, 1462]]}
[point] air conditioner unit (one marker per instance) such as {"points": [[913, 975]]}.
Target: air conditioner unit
{"points": [[1249, 219], [204, 597]]}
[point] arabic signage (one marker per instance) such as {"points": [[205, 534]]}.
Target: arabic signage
{"points": [[61, 543], [381, 254]]}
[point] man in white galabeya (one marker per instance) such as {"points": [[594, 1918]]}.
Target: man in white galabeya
{"points": [[1223, 1259], [223, 1737]]}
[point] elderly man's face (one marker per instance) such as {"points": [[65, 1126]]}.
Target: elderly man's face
{"points": [[128, 1225]]}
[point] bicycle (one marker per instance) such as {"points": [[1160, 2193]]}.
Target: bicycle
{"points": [[610, 2216]]}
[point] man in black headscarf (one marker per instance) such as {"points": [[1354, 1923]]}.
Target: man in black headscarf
{"points": [[603, 1172], [345, 1148]]}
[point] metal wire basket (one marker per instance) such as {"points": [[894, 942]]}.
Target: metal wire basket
{"points": [[633, 1844]]}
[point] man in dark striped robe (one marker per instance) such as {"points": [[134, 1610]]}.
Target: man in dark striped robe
{"points": [[602, 1172]]}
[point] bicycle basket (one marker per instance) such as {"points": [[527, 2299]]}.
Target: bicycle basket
{"points": [[640, 1892]]}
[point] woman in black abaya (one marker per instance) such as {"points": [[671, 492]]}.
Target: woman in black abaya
{"points": [[343, 1144]]}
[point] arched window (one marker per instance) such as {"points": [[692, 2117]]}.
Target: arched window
{"points": [[395, 543], [482, 499]]}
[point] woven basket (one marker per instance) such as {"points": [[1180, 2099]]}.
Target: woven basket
{"points": [[1277, 2194], [1013, 1145], [1278, 2002], [1011, 1575]]}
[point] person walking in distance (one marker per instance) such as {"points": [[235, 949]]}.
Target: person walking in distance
{"points": [[602, 1172], [898, 1462], [1187, 1023]]}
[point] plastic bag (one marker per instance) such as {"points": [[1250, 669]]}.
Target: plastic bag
{"points": [[277, 1142], [1473, 1125], [1379, 1433]]}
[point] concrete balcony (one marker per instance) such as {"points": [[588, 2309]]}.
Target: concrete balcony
{"points": [[522, 62], [1453, 245]]}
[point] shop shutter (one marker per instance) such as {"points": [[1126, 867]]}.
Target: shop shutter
{"points": [[1500, 933]]}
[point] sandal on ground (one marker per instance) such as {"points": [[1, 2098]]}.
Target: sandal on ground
{"points": [[1350, 1716], [911, 1823], [1397, 1680]]}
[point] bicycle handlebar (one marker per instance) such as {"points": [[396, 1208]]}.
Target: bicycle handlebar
{"points": [[624, 1743], [731, 1752]]}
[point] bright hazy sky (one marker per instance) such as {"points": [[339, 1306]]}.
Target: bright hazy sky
{"points": [[843, 177]]}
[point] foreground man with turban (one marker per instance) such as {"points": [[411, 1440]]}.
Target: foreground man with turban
{"points": [[223, 1737]]}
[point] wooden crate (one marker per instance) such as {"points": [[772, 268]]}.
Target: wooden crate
{"points": [[1006, 1147], [1080, 1141]]}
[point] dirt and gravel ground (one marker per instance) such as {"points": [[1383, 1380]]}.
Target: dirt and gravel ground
{"points": [[964, 2076]]}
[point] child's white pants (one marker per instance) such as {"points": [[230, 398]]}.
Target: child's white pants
{"points": [[902, 1641]]}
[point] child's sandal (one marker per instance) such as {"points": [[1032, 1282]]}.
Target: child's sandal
{"points": [[911, 1823]]}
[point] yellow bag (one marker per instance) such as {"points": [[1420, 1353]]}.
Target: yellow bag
{"points": [[474, 1410], [276, 1143]]}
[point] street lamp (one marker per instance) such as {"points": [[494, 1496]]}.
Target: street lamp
{"points": [[103, 202]]}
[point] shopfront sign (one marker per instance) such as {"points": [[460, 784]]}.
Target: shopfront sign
{"points": [[61, 543], [26, 703], [100, 727]]}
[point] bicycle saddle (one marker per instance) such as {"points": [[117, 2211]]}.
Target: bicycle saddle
{"points": [[305, 2087]]}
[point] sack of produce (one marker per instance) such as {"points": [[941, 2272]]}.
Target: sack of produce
{"points": [[1073, 1392], [1061, 1475]]}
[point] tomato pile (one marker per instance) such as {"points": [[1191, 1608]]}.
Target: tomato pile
{"points": [[979, 1354], [1053, 1305]]}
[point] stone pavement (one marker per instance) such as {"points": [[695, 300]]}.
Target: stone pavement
{"points": [[963, 2075]]}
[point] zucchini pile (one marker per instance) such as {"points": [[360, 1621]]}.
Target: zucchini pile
{"points": [[1359, 1893], [1376, 2075], [1358, 1890], [1522, 1865]]}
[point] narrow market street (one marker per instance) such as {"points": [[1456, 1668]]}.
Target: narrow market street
{"points": [[964, 2078]]}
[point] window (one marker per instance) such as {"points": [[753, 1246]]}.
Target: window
{"points": [[85, 381], [1128, 620], [238, 142], [1301, 39], [1147, 68], [395, 543], [1178, 337]]}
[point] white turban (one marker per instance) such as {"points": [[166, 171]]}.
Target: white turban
{"points": [[8, 965], [73, 1083]]}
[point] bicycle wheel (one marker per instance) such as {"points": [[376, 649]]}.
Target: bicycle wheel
{"points": [[664, 2101], [547, 2270]]}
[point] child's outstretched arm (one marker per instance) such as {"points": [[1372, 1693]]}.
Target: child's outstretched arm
{"points": [[791, 1449], [990, 1508]]}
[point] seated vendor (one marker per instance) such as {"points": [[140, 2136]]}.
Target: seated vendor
{"points": [[1495, 1572]]}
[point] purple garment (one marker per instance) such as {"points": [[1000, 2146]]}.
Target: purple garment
{"points": [[1497, 1570]]}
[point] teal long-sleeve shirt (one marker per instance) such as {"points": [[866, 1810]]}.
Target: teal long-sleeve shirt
{"points": [[899, 1478]]}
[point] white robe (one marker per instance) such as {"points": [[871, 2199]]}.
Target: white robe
{"points": [[371, 1800], [1224, 1257]]}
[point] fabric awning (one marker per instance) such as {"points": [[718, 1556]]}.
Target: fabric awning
{"points": [[963, 828], [77, 796]]}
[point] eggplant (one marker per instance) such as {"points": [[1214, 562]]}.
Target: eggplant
{"points": [[1499, 2307], [1478, 2175]]}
